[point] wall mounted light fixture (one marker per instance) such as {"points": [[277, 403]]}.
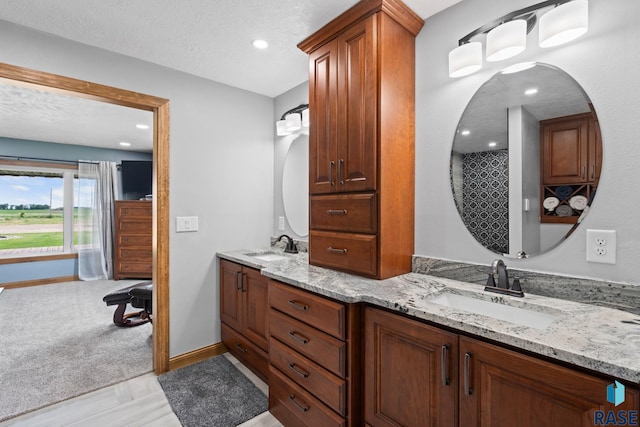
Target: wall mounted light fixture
{"points": [[293, 120], [506, 36]]}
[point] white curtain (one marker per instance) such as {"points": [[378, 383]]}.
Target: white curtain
{"points": [[97, 189]]}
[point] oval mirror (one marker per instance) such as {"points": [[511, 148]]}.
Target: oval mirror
{"points": [[526, 160], [295, 185]]}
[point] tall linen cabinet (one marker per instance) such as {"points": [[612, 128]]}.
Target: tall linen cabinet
{"points": [[362, 139]]}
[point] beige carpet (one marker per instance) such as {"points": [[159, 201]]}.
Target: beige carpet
{"points": [[58, 341]]}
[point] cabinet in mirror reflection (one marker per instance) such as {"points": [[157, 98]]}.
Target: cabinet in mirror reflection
{"points": [[526, 160]]}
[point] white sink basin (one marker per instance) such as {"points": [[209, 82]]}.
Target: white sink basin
{"points": [[517, 315], [266, 256]]}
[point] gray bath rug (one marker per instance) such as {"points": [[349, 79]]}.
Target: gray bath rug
{"points": [[212, 393]]}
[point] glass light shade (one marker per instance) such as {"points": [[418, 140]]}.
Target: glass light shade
{"points": [[465, 59], [506, 40], [293, 122], [281, 128], [305, 118], [564, 23]]}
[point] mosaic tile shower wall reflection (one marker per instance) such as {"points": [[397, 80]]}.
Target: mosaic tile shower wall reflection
{"points": [[485, 198]]}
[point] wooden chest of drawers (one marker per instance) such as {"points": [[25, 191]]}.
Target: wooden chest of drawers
{"points": [[133, 251], [314, 374]]}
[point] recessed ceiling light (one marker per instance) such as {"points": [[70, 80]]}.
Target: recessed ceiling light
{"points": [[493, 144], [141, 126], [260, 44], [465, 132], [531, 91], [125, 144]]}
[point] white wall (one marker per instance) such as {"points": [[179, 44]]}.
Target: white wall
{"points": [[221, 165], [605, 62]]}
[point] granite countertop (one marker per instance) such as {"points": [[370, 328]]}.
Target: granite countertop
{"points": [[602, 339]]}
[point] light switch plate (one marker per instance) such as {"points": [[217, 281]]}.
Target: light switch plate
{"points": [[186, 224]]}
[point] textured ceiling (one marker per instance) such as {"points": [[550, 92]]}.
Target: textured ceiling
{"points": [[207, 38]]}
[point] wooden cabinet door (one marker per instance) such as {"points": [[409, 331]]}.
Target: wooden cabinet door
{"points": [[323, 108], [410, 372], [255, 310], [230, 295], [506, 389], [357, 107], [565, 151]]}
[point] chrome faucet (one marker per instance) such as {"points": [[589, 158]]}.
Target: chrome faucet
{"points": [[499, 268], [291, 247]]}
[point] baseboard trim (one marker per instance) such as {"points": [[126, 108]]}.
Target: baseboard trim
{"points": [[38, 282], [195, 356]]}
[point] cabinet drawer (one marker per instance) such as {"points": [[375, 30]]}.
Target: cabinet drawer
{"points": [[135, 267], [344, 212], [318, 381], [321, 313], [293, 406], [355, 253], [134, 208], [135, 240], [141, 226], [136, 254], [252, 356], [323, 349]]}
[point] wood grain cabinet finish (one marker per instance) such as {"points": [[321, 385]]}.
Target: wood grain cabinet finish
{"points": [[410, 372], [314, 359], [244, 309], [361, 103], [506, 388], [133, 249]]}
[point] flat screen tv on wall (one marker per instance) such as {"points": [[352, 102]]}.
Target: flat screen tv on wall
{"points": [[136, 177]]}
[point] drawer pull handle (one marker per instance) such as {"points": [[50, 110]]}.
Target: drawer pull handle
{"points": [[303, 307], [443, 365], [298, 371], [238, 280], [340, 163], [331, 183], [300, 338], [241, 348], [467, 380], [299, 406], [337, 211], [336, 251]]}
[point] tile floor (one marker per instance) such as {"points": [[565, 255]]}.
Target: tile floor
{"points": [[136, 402]]}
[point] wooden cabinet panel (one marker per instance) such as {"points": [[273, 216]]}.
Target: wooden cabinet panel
{"points": [[363, 136], [133, 249], [508, 389], [248, 353], [329, 388], [244, 313], [356, 213], [323, 314], [293, 406], [357, 130], [410, 374], [323, 107], [323, 349], [566, 151], [230, 296], [354, 253]]}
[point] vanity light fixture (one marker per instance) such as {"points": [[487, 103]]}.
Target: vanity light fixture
{"points": [[493, 144], [506, 36], [465, 132], [293, 120]]}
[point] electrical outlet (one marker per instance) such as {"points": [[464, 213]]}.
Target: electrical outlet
{"points": [[601, 246], [280, 223]]}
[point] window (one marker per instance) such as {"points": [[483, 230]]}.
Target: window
{"points": [[37, 208]]}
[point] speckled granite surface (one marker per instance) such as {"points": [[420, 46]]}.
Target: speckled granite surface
{"points": [[598, 338], [620, 296]]}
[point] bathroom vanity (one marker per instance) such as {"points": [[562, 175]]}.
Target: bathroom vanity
{"points": [[410, 351]]}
